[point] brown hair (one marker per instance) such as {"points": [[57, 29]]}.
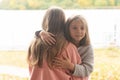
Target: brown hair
{"points": [[54, 22], [86, 39]]}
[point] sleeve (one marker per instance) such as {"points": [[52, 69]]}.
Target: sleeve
{"points": [[85, 69], [37, 33]]}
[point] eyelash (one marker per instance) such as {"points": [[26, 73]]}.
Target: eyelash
{"points": [[76, 28]]}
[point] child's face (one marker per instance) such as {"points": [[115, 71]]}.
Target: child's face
{"points": [[77, 30]]}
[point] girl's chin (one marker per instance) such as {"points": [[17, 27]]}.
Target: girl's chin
{"points": [[77, 41]]}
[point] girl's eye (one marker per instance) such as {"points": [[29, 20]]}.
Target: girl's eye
{"points": [[74, 27], [82, 28]]}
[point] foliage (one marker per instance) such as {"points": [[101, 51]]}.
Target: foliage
{"points": [[67, 4], [106, 64]]}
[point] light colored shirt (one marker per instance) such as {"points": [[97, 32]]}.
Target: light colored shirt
{"points": [[45, 73], [87, 58]]}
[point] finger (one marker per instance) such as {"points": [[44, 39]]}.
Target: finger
{"points": [[52, 37], [57, 65], [52, 34], [65, 57], [44, 41], [58, 61], [52, 40], [48, 42]]}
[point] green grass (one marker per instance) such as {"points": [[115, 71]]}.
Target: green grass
{"points": [[15, 58], [107, 63]]}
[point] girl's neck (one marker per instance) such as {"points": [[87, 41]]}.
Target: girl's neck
{"points": [[76, 43]]}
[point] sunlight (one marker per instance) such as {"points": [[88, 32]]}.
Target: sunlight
{"points": [[0, 0]]}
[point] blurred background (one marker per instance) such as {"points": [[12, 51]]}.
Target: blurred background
{"points": [[19, 19]]}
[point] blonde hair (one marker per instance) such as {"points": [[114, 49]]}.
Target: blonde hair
{"points": [[54, 22], [86, 39]]}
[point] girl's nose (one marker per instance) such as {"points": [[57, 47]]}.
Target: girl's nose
{"points": [[79, 30]]}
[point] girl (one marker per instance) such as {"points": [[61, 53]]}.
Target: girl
{"points": [[76, 31], [41, 55]]}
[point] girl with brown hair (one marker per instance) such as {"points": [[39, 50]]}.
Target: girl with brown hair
{"points": [[40, 55]]}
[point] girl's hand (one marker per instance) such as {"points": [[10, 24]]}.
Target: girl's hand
{"points": [[47, 37], [63, 63]]}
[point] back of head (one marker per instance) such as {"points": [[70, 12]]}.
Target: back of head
{"points": [[54, 22]]}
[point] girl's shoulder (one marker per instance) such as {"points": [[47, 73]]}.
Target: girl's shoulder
{"points": [[85, 50], [72, 53], [70, 45], [70, 48], [85, 47]]}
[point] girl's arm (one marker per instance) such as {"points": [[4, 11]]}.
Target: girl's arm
{"points": [[86, 68], [37, 33], [64, 63], [47, 37], [81, 70]]}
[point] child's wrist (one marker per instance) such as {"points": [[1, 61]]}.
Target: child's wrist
{"points": [[72, 68], [41, 33]]}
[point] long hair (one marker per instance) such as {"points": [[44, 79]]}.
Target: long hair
{"points": [[54, 22], [86, 39]]}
